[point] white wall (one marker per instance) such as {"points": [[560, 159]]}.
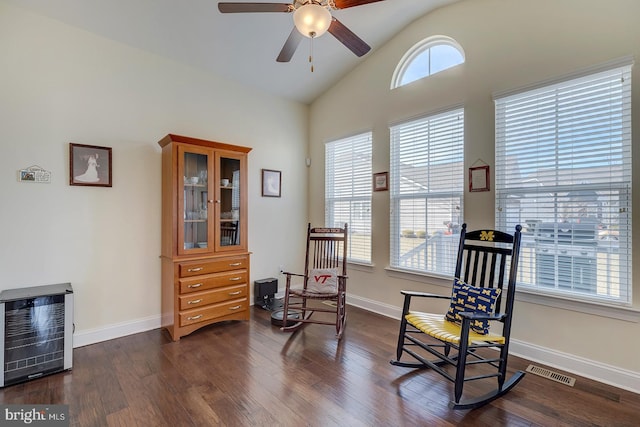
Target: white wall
{"points": [[59, 84], [508, 44]]}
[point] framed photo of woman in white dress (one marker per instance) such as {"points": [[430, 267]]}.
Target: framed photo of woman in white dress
{"points": [[89, 165], [271, 184]]}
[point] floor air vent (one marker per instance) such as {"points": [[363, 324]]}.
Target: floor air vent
{"points": [[536, 370]]}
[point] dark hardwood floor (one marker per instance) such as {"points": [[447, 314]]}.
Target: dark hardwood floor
{"points": [[251, 374]]}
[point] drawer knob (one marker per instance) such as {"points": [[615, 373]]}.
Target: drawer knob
{"points": [[234, 279], [235, 307], [192, 270], [235, 293], [235, 264], [195, 285], [195, 301], [194, 317]]}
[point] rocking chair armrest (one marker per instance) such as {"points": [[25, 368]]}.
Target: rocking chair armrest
{"points": [[286, 273], [424, 294], [481, 316], [409, 294]]}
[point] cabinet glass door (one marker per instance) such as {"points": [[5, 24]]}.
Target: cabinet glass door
{"points": [[231, 215], [193, 173]]}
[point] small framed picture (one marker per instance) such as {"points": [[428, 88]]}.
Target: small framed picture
{"points": [[271, 183], [27, 176], [34, 174], [479, 178], [381, 181], [89, 165]]}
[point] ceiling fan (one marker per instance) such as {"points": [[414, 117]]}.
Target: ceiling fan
{"points": [[312, 18]]}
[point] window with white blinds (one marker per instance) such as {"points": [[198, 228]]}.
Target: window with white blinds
{"points": [[563, 171], [426, 191], [348, 192]]}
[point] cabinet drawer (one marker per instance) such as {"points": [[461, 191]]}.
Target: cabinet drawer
{"points": [[196, 268], [200, 299], [211, 281], [212, 311]]}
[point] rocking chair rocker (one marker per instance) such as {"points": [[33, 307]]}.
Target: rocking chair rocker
{"points": [[479, 287], [324, 282]]}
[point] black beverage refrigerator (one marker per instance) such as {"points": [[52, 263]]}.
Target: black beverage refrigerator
{"points": [[36, 330]]}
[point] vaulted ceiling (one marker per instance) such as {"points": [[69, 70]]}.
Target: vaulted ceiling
{"points": [[239, 46]]}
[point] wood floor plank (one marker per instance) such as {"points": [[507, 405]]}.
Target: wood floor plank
{"points": [[248, 373], [122, 418]]}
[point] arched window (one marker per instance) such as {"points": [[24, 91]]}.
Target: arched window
{"points": [[427, 57]]}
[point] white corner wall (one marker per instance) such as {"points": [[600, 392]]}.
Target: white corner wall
{"points": [[58, 85], [508, 44]]}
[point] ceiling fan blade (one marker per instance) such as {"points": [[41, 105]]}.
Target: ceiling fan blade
{"points": [[290, 46], [348, 38], [343, 4], [254, 7]]}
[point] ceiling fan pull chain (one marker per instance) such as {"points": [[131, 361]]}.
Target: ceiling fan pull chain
{"points": [[313, 36]]}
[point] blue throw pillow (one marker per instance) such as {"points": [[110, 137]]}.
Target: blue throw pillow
{"points": [[467, 298]]}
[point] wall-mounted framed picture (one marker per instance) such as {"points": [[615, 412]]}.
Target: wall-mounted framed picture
{"points": [[381, 181], [34, 174], [479, 178], [89, 165], [271, 183]]}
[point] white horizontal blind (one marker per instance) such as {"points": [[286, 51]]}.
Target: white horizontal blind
{"points": [[427, 183], [348, 182], [563, 171]]}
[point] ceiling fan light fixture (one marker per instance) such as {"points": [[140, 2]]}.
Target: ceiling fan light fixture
{"points": [[312, 20]]}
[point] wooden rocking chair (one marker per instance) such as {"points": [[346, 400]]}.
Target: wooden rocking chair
{"points": [[324, 282], [485, 296]]}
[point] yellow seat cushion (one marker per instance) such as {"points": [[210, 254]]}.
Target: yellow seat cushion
{"points": [[436, 326]]}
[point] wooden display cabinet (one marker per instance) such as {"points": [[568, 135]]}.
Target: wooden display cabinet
{"points": [[205, 260]]}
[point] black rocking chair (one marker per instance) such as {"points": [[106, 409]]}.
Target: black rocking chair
{"points": [[460, 340]]}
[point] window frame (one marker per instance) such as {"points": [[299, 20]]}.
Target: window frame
{"points": [[507, 190], [361, 185], [398, 196], [416, 50]]}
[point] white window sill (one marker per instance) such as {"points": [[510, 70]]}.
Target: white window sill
{"points": [[414, 276], [360, 266], [615, 312]]}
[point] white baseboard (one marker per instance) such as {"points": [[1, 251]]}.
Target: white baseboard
{"points": [[607, 374], [92, 336], [375, 306]]}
